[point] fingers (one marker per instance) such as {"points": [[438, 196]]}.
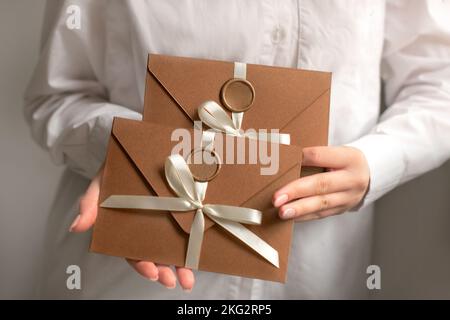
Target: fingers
{"points": [[186, 278], [327, 157], [88, 206], [313, 205], [321, 214], [329, 193], [155, 272], [318, 184], [166, 276], [145, 268]]}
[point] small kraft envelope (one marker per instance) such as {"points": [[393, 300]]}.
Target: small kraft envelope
{"points": [[137, 165]]}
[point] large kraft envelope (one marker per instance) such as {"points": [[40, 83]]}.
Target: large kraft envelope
{"points": [[295, 101], [135, 166]]}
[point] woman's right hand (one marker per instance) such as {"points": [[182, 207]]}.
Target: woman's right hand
{"points": [[149, 270]]}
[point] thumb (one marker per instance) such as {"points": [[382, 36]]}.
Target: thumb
{"points": [[88, 206]]}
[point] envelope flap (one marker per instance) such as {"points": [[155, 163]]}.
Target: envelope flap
{"points": [[280, 93], [190, 81], [148, 145]]}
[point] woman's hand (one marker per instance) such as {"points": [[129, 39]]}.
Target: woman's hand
{"points": [[149, 270], [321, 195]]}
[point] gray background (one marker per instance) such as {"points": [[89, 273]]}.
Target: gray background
{"points": [[412, 237]]}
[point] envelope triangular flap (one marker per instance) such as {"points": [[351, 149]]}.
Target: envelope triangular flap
{"points": [[190, 81], [148, 145], [281, 93]]}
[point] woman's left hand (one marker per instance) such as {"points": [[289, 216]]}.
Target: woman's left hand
{"points": [[317, 196]]}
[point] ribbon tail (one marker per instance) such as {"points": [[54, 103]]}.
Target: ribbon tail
{"points": [[195, 241], [250, 239], [237, 118], [281, 138]]}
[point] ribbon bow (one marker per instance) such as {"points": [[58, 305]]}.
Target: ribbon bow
{"points": [[216, 118], [190, 197]]}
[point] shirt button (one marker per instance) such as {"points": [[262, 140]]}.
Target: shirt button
{"points": [[278, 34]]}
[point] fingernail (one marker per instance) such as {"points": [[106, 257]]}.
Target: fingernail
{"points": [[280, 200], [153, 279], [74, 223], [288, 213], [171, 287], [187, 290]]}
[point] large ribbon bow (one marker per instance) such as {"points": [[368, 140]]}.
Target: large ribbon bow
{"points": [[190, 197], [215, 117]]}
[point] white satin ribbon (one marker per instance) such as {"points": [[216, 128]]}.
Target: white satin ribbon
{"points": [[215, 117], [240, 72], [190, 197]]}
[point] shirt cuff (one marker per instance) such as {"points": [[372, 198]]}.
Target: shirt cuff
{"points": [[385, 158]]}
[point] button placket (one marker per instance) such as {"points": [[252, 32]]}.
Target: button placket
{"points": [[278, 34], [269, 19]]}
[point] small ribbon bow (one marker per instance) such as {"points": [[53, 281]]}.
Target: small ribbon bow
{"points": [[190, 197], [216, 118]]}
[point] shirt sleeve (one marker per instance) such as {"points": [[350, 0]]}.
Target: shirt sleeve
{"points": [[66, 104], [413, 134]]}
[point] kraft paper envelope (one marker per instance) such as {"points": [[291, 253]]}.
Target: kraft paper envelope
{"points": [[135, 166], [294, 101]]}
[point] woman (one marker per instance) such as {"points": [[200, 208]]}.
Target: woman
{"points": [[88, 75]]}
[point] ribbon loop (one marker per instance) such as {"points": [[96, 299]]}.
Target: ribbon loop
{"points": [[217, 119], [180, 179]]}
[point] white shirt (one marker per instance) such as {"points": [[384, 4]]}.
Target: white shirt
{"points": [[87, 76]]}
